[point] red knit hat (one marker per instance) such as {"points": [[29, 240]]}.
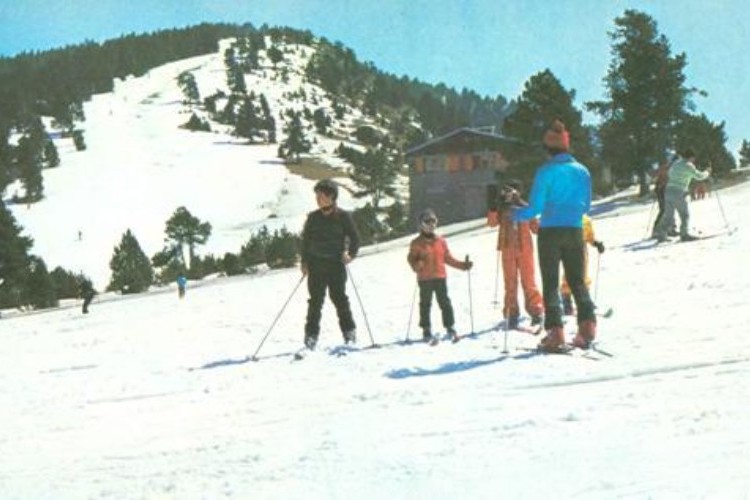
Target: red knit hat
{"points": [[557, 137]]}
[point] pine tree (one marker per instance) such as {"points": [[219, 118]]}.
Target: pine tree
{"points": [[14, 259], [6, 157], [708, 140], [78, 140], [235, 76], [40, 289], [184, 229], [745, 154], [51, 157], [282, 249], [131, 268], [374, 173], [247, 121], [543, 100], [296, 143], [646, 97], [275, 55], [186, 82], [29, 161]]}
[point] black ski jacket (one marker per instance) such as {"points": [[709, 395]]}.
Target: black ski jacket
{"points": [[327, 236]]}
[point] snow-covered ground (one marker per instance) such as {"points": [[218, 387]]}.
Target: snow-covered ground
{"points": [[154, 397], [150, 396]]}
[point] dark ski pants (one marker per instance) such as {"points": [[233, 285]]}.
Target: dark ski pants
{"points": [[660, 200], [556, 245], [331, 275], [440, 288]]}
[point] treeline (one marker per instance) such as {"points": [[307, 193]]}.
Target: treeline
{"points": [[437, 108]]}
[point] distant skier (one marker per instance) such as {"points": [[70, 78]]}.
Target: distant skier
{"points": [[561, 193], [181, 285], [680, 174], [515, 243], [87, 293], [660, 186], [428, 255], [329, 242]]}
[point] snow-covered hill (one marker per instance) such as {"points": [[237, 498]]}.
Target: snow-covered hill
{"points": [[154, 397], [139, 167]]}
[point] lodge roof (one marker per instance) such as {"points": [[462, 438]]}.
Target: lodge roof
{"points": [[491, 136]]}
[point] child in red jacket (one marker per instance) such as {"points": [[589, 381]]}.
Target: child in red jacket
{"points": [[428, 255]]}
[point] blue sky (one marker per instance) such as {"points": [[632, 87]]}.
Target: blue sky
{"points": [[491, 46]]}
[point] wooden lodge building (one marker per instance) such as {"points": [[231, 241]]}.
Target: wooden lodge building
{"points": [[456, 174]]}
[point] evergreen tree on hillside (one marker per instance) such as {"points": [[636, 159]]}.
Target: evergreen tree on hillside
{"points": [[282, 249], [51, 157], [79, 140], [708, 140], [745, 154], [543, 100], [267, 120], [373, 171], [6, 158], [296, 142], [67, 114], [247, 122], [184, 229], [65, 283], [235, 76], [40, 289], [274, 55], [131, 268], [14, 259], [646, 94], [186, 82], [29, 163], [322, 121]]}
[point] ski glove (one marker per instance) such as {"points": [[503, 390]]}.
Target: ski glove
{"points": [[599, 246]]}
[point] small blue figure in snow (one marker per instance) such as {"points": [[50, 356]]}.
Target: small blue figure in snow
{"points": [[181, 283]]}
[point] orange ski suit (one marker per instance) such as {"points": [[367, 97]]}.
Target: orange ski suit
{"points": [[515, 244]]}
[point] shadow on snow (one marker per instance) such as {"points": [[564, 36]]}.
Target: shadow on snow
{"points": [[460, 366]]}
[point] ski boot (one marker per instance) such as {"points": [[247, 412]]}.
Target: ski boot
{"points": [[586, 334], [554, 341], [350, 337]]}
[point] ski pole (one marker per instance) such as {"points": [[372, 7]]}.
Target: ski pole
{"points": [[497, 277], [471, 308], [255, 356], [598, 266], [650, 216], [505, 341], [362, 306], [411, 311], [721, 207]]}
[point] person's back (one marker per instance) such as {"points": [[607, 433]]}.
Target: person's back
{"points": [[561, 193]]}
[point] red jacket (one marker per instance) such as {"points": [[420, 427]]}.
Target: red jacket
{"points": [[428, 255]]}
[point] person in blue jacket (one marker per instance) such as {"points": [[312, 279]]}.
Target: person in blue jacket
{"points": [[181, 285], [561, 196]]}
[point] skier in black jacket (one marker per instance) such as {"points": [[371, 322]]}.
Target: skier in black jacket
{"points": [[329, 242]]}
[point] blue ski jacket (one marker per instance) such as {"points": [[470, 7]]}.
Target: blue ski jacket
{"points": [[561, 193]]}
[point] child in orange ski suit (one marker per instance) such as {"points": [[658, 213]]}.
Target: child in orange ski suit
{"points": [[516, 245]]}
